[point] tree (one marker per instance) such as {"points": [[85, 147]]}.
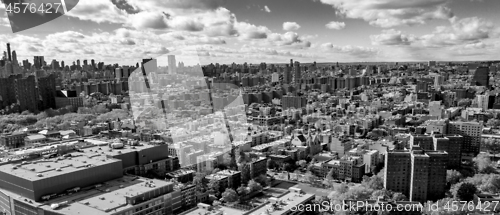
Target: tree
{"points": [[466, 192], [198, 181], [375, 182], [483, 164], [490, 145], [254, 186], [270, 164], [342, 188], [244, 168], [384, 194], [230, 195], [242, 190], [453, 176], [493, 123], [399, 197], [263, 180], [216, 170], [214, 187], [302, 163], [464, 103]]}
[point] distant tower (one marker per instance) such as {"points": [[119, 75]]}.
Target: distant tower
{"points": [[78, 62], [38, 62], [291, 62], [171, 64], [298, 73], [14, 58], [9, 54]]}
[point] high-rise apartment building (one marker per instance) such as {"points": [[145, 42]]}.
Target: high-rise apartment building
{"points": [[297, 73], [397, 172], [424, 141], [290, 101], [422, 86], [26, 94], [436, 181], [47, 91], [172, 66], [287, 75], [419, 175], [483, 101], [39, 62], [481, 77], [471, 132]]}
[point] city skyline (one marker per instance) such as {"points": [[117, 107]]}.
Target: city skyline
{"points": [[260, 31]]}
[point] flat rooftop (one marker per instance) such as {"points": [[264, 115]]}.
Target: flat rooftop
{"points": [[47, 168], [284, 204], [110, 198]]}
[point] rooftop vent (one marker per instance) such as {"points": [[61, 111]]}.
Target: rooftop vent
{"points": [[32, 169], [39, 175], [59, 169]]}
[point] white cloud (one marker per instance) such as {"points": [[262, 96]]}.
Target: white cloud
{"points": [[357, 51], [250, 31], [467, 30], [98, 11], [148, 20], [390, 13], [291, 26], [392, 37], [335, 25], [266, 8]]}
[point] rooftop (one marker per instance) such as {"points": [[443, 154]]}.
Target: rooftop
{"points": [[109, 198], [47, 168], [283, 204]]}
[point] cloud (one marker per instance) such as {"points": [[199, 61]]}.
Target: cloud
{"points": [[148, 20], [291, 26], [392, 37], [98, 11], [155, 5], [335, 25], [288, 39], [467, 30], [250, 31], [391, 13], [357, 51], [266, 8]]}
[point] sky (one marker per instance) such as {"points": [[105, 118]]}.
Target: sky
{"points": [[272, 31]]}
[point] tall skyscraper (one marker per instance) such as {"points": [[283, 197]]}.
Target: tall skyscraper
{"points": [[172, 66], [78, 63], [297, 73], [481, 77], [38, 62], [9, 54], [287, 75], [14, 58], [85, 63]]}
